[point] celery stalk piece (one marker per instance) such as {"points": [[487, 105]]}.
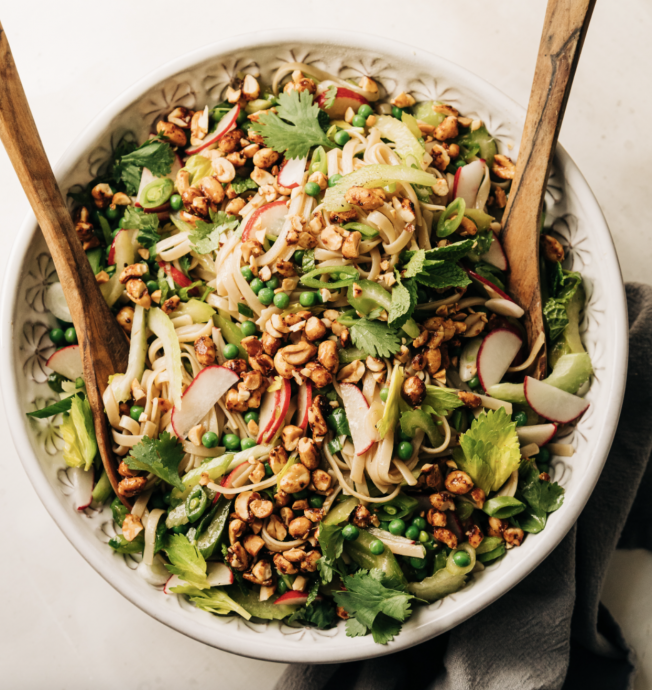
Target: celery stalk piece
{"points": [[199, 312], [215, 468], [390, 415], [424, 111], [570, 372], [341, 511], [137, 353], [570, 342], [407, 146], [374, 296], [230, 332], [445, 581], [359, 552], [78, 433], [102, 491], [373, 176], [159, 323]]}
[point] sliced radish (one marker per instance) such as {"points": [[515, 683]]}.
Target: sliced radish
{"points": [[56, 303], [492, 290], [496, 354], [174, 581], [202, 394], [233, 476], [122, 250], [155, 574], [291, 173], [304, 401], [67, 362], [292, 598], [552, 403], [504, 307], [537, 433], [469, 359], [356, 408], [82, 486], [344, 99], [226, 124], [496, 255], [177, 276], [273, 410], [269, 218], [467, 182], [218, 574], [400, 546]]}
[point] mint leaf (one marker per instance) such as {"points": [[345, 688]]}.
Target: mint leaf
{"points": [[161, 457], [295, 128], [452, 252], [562, 285], [186, 561], [375, 338], [495, 275], [442, 274], [415, 265], [205, 237], [404, 302]]}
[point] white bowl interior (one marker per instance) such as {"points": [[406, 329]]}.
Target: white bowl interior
{"points": [[199, 78]]}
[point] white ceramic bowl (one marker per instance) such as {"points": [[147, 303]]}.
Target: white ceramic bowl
{"points": [[200, 78]]}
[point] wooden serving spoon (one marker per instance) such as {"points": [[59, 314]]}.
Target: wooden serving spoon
{"points": [[564, 30], [103, 345]]}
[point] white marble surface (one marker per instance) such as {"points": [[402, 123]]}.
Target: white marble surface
{"points": [[64, 627]]}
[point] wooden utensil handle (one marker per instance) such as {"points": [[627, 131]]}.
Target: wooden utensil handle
{"points": [[565, 27]]}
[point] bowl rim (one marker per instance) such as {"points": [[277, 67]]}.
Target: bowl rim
{"points": [[68, 522]]}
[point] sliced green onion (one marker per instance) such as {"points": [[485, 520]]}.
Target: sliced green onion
{"points": [[447, 226], [157, 192], [244, 309]]}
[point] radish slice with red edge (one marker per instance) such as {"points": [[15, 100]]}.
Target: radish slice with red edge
{"points": [[293, 598], [226, 124], [273, 409], [67, 362], [291, 173], [270, 218], [553, 403], [82, 486], [537, 433], [467, 182], [177, 276], [304, 401], [496, 255], [344, 99], [356, 408], [496, 355], [493, 291]]}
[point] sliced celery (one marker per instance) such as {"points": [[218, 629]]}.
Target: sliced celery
{"points": [[199, 312], [373, 296], [159, 323], [424, 111], [406, 143], [137, 353]]}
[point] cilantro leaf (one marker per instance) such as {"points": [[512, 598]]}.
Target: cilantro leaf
{"points": [[213, 600], [540, 495], [371, 604], [492, 437], [404, 302], [187, 562], [318, 613], [330, 93], [295, 129], [155, 155], [441, 401], [375, 338], [331, 541], [205, 237], [147, 226], [354, 628], [161, 457], [243, 184], [442, 274]]}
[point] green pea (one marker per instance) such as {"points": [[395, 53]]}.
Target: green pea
{"points": [[231, 351], [376, 547], [385, 526], [350, 532], [248, 443], [281, 300], [297, 257], [152, 286], [316, 501], [405, 450], [403, 436], [209, 439], [462, 559], [424, 537], [419, 523], [341, 137], [136, 411], [307, 299], [70, 335], [332, 181], [257, 285], [112, 213], [520, 418], [384, 392], [57, 336], [312, 188], [231, 442], [268, 469], [79, 382], [417, 563], [176, 202], [365, 110], [274, 283], [248, 328], [251, 416], [397, 112], [474, 382], [543, 457], [247, 273], [266, 296], [359, 121], [397, 527], [281, 586], [300, 495]]}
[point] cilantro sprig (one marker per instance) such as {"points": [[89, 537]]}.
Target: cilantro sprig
{"points": [[160, 456], [375, 338], [294, 129]]}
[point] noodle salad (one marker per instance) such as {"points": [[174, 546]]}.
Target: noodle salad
{"points": [[326, 412]]}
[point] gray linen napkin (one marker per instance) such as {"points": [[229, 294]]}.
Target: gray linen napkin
{"points": [[551, 631]]}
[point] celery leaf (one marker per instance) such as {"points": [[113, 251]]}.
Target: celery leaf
{"points": [[187, 562]]}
